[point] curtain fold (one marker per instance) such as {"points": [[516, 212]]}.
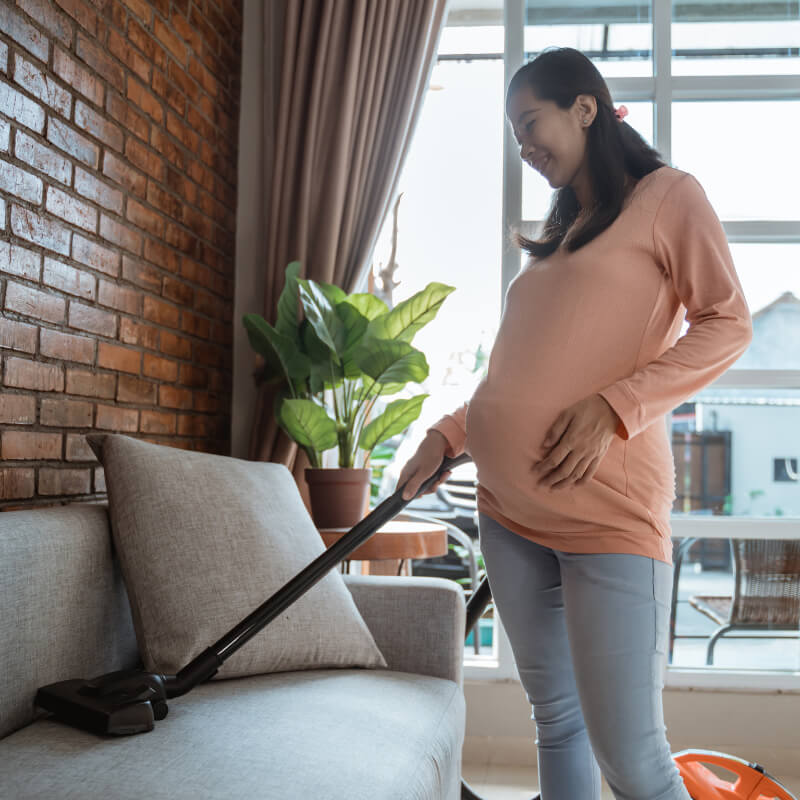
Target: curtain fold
{"points": [[353, 79]]}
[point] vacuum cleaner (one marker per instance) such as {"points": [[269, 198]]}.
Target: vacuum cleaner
{"points": [[130, 701]]}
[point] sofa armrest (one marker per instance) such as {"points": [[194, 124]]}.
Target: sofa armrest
{"points": [[419, 623]]}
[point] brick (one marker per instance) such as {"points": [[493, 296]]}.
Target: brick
{"points": [[121, 235], [145, 218], [160, 368], [170, 41], [119, 297], [195, 325], [163, 201], [44, 13], [145, 159], [102, 193], [13, 24], [27, 445], [64, 481], [42, 158], [134, 332], [141, 9], [117, 419], [94, 255], [59, 412], [116, 169], [206, 401], [168, 149], [174, 97], [41, 86], [78, 448], [119, 48], [40, 230], [173, 397], [72, 142], [17, 336], [182, 132], [145, 41], [187, 32], [131, 119], [141, 274], [82, 13], [193, 376], [16, 260], [177, 291], [5, 135], [3, 56], [122, 359], [135, 390], [71, 209], [139, 95], [77, 76], [92, 54], [157, 422], [99, 127], [207, 354], [87, 318], [20, 183], [68, 279], [34, 303], [17, 409], [65, 346], [160, 312], [26, 374], [16, 482], [193, 425], [91, 384], [175, 345], [165, 257]]}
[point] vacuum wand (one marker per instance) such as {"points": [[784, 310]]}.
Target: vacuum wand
{"points": [[128, 701]]}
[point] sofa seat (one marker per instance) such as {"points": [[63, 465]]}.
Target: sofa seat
{"points": [[316, 733]]}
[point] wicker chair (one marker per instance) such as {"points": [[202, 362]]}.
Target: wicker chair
{"points": [[766, 593]]}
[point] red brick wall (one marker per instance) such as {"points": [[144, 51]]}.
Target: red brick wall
{"points": [[118, 144]]}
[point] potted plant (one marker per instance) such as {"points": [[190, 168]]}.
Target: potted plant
{"points": [[331, 368]]}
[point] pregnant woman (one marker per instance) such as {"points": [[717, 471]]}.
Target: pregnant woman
{"points": [[568, 433]]}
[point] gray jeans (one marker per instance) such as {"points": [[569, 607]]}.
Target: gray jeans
{"points": [[589, 634]]}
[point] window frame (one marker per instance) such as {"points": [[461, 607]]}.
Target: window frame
{"points": [[661, 89]]}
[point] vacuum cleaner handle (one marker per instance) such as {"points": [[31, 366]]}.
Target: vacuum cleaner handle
{"points": [[206, 664]]}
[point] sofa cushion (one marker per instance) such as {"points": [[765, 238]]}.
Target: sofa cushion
{"points": [[333, 734], [205, 539], [64, 612]]}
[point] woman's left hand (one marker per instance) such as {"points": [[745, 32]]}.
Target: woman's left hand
{"points": [[579, 438]]}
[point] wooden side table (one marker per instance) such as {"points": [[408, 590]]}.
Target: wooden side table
{"points": [[390, 549]]}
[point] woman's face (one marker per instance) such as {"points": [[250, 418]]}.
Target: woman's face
{"points": [[552, 140]]}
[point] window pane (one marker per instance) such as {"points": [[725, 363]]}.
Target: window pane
{"points": [[617, 37], [537, 194], [744, 153], [735, 38], [770, 277]]}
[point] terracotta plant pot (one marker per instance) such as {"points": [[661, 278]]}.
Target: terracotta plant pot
{"points": [[339, 495]]}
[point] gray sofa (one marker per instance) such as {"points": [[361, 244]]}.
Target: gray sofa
{"points": [[327, 734]]}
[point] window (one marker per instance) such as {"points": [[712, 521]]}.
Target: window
{"points": [[713, 87]]}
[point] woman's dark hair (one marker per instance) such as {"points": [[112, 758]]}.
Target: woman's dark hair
{"points": [[614, 149]]}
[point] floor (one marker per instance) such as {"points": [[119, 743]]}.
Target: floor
{"points": [[499, 782]]}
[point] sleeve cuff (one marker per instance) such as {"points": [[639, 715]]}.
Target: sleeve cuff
{"points": [[454, 435], [620, 398]]}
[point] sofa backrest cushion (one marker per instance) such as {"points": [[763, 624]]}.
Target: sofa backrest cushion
{"points": [[203, 540], [64, 612]]}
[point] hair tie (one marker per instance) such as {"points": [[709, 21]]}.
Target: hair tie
{"points": [[621, 112]]}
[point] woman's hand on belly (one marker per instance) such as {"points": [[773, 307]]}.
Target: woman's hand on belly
{"points": [[578, 440]]}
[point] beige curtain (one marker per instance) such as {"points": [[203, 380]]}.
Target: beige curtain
{"points": [[352, 82]]}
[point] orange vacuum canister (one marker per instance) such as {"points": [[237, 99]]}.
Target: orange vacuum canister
{"points": [[753, 782]]}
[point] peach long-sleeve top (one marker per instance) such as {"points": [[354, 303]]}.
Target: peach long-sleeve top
{"points": [[606, 319]]}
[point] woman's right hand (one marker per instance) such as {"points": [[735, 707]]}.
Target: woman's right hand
{"points": [[423, 464]]}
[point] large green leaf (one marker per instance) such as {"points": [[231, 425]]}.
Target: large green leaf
{"points": [[296, 364], [288, 303], [322, 315], [388, 361], [407, 317], [308, 424], [396, 418]]}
